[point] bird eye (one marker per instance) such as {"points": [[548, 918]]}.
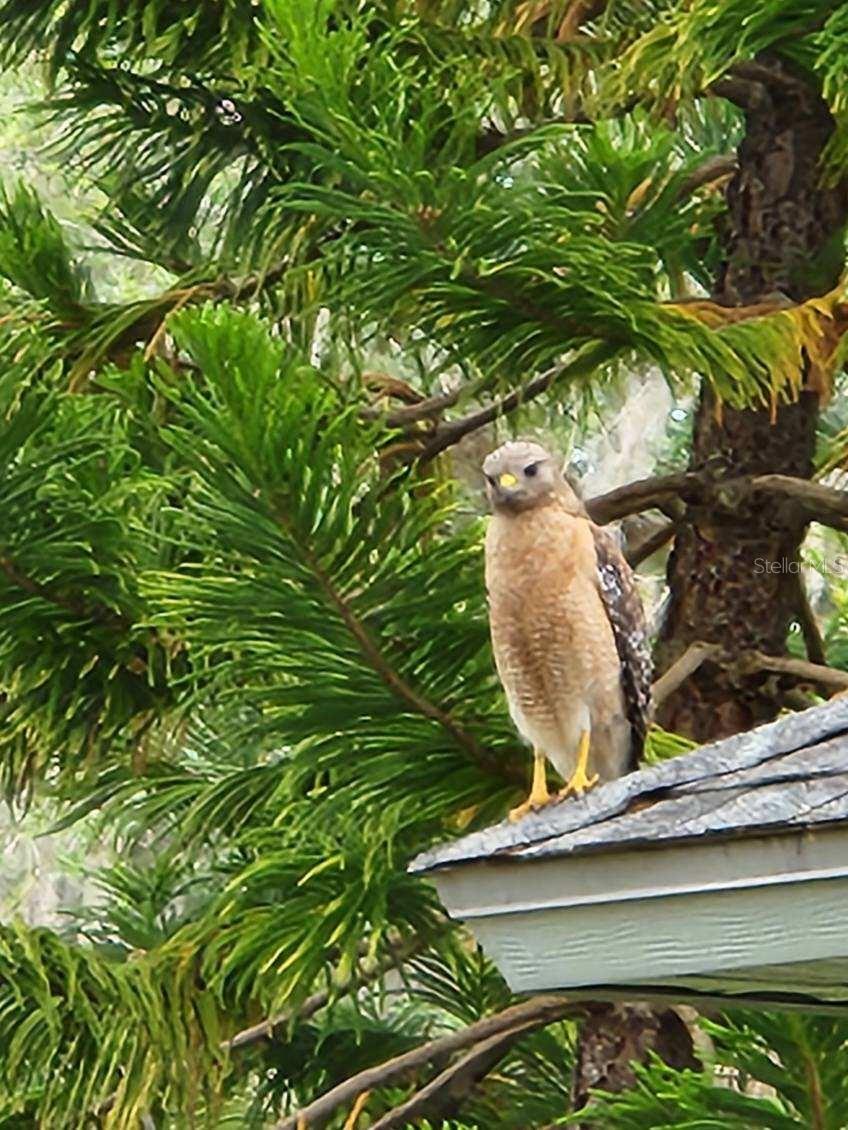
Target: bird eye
{"points": [[531, 471]]}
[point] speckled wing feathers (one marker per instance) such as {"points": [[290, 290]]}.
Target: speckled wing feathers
{"points": [[627, 619]]}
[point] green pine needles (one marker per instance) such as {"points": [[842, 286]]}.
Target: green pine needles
{"points": [[243, 639]]}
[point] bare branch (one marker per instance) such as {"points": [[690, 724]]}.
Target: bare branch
{"points": [[820, 503], [363, 975], [357, 1109], [576, 14], [427, 409], [682, 668], [452, 431], [830, 678], [744, 663], [442, 1097], [266, 1029], [741, 92], [537, 1011], [643, 494], [710, 171], [813, 640], [653, 539], [416, 406], [815, 502]]}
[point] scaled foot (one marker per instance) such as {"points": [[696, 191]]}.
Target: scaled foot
{"points": [[580, 782], [539, 795], [534, 802]]}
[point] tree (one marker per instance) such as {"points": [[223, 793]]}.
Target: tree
{"points": [[242, 628]]}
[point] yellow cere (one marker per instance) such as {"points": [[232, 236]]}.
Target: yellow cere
{"points": [[508, 480]]}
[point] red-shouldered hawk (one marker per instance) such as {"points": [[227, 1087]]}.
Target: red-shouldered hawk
{"points": [[568, 630]]}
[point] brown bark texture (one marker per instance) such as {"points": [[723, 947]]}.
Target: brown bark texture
{"points": [[729, 571], [782, 235], [615, 1036]]}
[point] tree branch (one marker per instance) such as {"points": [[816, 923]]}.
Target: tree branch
{"points": [[443, 1096], [427, 409], [820, 503], [648, 544], [813, 640], [749, 83], [577, 13], [363, 975], [537, 1011], [21, 580], [744, 663], [643, 494], [682, 668], [452, 431], [752, 70], [816, 502], [710, 171], [830, 678], [741, 92]]}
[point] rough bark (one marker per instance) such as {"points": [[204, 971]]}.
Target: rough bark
{"points": [[613, 1038], [782, 235], [729, 572]]}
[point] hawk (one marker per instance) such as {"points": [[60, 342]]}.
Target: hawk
{"points": [[568, 629]]}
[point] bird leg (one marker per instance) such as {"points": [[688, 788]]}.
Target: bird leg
{"points": [[580, 781], [539, 795]]}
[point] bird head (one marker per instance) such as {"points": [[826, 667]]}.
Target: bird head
{"points": [[521, 475]]}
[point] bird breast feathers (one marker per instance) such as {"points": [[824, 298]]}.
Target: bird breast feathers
{"points": [[545, 545]]}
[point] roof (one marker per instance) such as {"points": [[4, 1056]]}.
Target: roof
{"points": [[785, 776]]}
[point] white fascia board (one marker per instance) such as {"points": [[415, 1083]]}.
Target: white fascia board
{"points": [[505, 886], [644, 915]]}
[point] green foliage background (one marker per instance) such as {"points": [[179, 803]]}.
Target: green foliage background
{"points": [[243, 647]]}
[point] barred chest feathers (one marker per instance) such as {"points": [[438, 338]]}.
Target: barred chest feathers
{"points": [[552, 640]]}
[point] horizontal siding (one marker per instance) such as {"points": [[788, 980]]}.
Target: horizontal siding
{"points": [[678, 936]]}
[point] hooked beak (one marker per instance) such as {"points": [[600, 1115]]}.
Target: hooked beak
{"points": [[507, 490]]}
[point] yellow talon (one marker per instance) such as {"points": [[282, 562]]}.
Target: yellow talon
{"points": [[579, 781], [539, 795]]}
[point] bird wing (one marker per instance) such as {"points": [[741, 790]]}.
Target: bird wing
{"points": [[627, 618]]}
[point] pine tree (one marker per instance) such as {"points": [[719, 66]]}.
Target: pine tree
{"points": [[243, 635]]}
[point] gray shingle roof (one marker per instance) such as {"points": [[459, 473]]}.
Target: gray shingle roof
{"points": [[785, 776]]}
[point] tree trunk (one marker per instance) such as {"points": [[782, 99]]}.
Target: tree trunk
{"points": [[613, 1037], [728, 573]]}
